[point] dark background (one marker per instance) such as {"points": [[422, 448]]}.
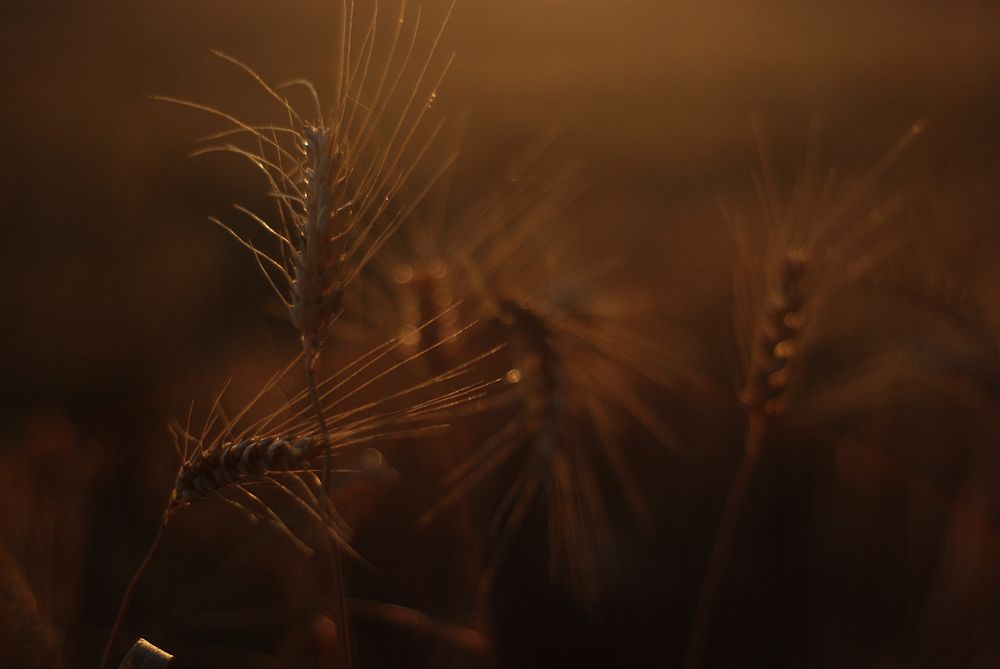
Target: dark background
{"points": [[871, 543]]}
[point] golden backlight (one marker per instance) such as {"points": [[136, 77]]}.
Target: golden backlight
{"points": [[502, 333]]}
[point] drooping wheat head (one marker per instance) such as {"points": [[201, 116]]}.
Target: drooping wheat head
{"points": [[280, 450]]}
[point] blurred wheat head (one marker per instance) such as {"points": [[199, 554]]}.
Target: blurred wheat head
{"points": [[947, 296], [829, 232], [577, 376], [805, 249]]}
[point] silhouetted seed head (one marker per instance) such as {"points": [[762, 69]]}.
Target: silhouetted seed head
{"points": [[281, 450], [337, 173], [207, 472]]}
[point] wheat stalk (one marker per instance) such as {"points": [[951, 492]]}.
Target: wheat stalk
{"points": [[232, 455], [334, 183], [825, 236]]}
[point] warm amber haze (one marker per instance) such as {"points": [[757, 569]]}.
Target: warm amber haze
{"points": [[561, 293]]}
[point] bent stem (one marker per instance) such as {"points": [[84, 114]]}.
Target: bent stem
{"points": [[722, 550], [336, 565], [127, 597]]}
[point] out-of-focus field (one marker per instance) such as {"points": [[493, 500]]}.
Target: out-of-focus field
{"points": [[105, 247], [121, 303]]}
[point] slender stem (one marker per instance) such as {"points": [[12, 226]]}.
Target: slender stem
{"points": [[341, 604], [336, 559], [754, 440], [311, 360], [127, 597]]}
